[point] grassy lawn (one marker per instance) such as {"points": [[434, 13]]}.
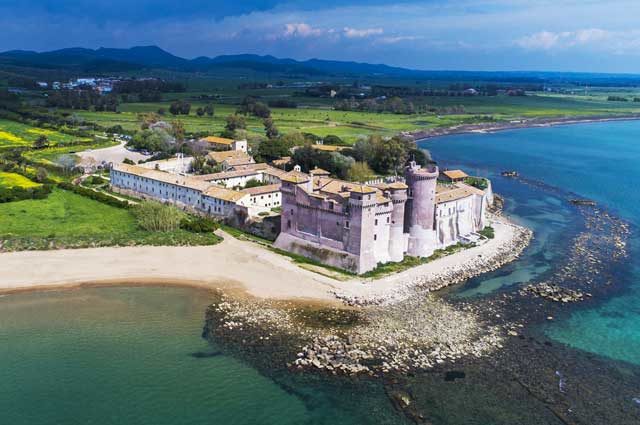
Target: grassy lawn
{"points": [[65, 219], [15, 134], [10, 180]]}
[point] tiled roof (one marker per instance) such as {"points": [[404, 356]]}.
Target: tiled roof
{"points": [[162, 176], [224, 194], [220, 156], [260, 190], [446, 193], [455, 174], [218, 140], [329, 148]]}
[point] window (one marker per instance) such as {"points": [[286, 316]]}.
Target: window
{"points": [[375, 237], [375, 222], [346, 224], [288, 224], [387, 219]]}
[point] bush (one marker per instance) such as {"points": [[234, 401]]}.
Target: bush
{"points": [[96, 196], [21, 193], [156, 217], [488, 232], [199, 225]]}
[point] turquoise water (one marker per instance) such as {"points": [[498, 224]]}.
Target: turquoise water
{"points": [[136, 356], [600, 161]]}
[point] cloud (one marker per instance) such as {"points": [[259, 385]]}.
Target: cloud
{"points": [[361, 33], [398, 39], [301, 30], [546, 40]]}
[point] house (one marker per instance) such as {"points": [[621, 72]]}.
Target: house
{"points": [[223, 144], [230, 159], [453, 176]]}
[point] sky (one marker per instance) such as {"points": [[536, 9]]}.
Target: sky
{"points": [[494, 35]]}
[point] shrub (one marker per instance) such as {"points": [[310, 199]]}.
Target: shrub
{"points": [[156, 217], [199, 225], [92, 194], [488, 232], [21, 193]]}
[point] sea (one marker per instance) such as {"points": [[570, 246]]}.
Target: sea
{"points": [[136, 354]]}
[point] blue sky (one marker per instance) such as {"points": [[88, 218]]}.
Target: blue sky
{"points": [[562, 35]]}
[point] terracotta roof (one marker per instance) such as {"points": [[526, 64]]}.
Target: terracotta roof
{"points": [[294, 177], [218, 140], [446, 193], [260, 190], [455, 174], [163, 176], [341, 187], [319, 172], [281, 161], [220, 156], [329, 148], [224, 194]]}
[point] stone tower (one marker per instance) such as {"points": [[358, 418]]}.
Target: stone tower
{"points": [[397, 241], [421, 209], [361, 227]]}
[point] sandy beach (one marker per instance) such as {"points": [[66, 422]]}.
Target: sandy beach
{"points": [[232, 265]]}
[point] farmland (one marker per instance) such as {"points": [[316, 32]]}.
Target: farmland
{"points": [[349, 125], [15, 134], [12, 180]]}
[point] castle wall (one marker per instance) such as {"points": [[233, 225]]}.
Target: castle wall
{"points": [[422, 188]]}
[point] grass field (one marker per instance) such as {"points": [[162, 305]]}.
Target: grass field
{"points": [[15, 134], [10, 180], [322, 120], [65, 219]]}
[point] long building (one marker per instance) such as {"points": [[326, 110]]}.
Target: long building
{"points": [[357, 226], [193, 194]]}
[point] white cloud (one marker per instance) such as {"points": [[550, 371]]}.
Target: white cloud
{"points": [[546, 40], [361, 33], [301, 30], [398, 39]]}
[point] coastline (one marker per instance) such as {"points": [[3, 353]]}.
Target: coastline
{"points": [[486, 127], [244, 268]]}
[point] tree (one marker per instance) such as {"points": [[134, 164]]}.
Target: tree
{"points": [[208, 109], [270, 128], [360, 172], [333, 140], [177, 128], [41, 142], [389, 156], [235, 122], [162, 111], [272, 149], [200, 111]]}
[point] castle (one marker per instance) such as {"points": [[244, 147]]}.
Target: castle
{"points": [[348, 225], [357, 226]]}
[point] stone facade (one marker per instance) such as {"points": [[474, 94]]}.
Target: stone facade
{"points": [[358, 226]]}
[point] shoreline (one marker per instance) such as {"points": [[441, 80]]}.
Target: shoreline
{"points": [[487, 127], [244, 269]]}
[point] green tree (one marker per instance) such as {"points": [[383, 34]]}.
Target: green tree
{"points": [[389, 156], [360, 172], [271, 149], [200, 111], [270, 128], [235, 122]]}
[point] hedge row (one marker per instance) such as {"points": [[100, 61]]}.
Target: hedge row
{"points": [[96, 196], [21, 193]]}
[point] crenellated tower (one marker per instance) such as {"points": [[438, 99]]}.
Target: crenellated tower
{"points": [[420, 209]]}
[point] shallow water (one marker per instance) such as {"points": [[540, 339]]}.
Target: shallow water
{"points": [[136, 356], [598, 161]]}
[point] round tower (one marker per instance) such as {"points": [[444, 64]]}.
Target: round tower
{"points": [[397, 241], [422, 194]]}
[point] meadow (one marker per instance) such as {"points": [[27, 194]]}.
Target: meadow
{"points": [[321, 120], [68, 220]]}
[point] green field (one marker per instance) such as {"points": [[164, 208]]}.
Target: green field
{"points": [[15, 134], [65, 219], [11, 180], [322, 120]]}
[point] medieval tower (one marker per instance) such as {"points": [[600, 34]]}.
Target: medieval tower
{"points": [[420, 209]]}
